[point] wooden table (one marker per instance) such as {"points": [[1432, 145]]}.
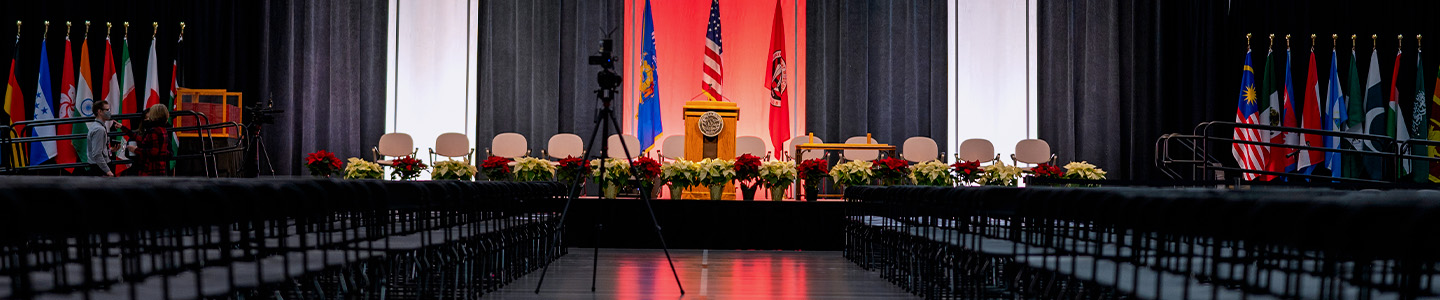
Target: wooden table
{"points": [[837, 147]]}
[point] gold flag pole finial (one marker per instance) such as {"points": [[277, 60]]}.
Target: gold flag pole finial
{"points": [[127, 30], [1399, 42], [107, 29], [182, 30], [67, 29], [17, 29], [1374, 41], [45, 33], [1312, 42], [1247, 41], [1287, 42], [1352, 42], [1334, 41], [1272, 43], [157, 29], [1418, 39]]}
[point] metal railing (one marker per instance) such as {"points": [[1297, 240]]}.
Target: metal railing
{"points": [[207, 153], [1202, 165]]}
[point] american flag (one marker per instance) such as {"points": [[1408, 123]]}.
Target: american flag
{"points": [[713, 75]]}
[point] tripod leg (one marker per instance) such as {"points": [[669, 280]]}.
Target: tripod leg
{"points": [[573, 194], [645, 196]]}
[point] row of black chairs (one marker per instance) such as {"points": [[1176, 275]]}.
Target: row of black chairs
{"points": [[1148, 243], [190, 238]]}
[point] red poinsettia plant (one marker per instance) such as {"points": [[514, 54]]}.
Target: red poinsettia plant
{"points": [[747, 168], [966, 171], [813, 171], [322, 163], [407, 168], [645, 170], [890, 170], [1047, 171], [496, 168], [571, 168]]}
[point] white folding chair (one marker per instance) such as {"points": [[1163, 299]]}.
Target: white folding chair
{"points": [[804, 155], [508, 145], [920, 149], [452, 145], [618, 151], [1032, 151], [564, 145], [673, 147], [752, 145], [863, 155], [980, 150], [393, 144]]}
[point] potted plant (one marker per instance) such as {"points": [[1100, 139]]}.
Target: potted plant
{"points": [[407, 168], [999, 174], [747, 173], [361, 169], [322, 163], [1047, 171], [1085, 171], [453, 170], [611, 174], [852, 173], [931, 173], [891, 171], [812, 172], [715, 173], [570, 169], [533, 169], [966, 172], [496, 168], [777, 175], [646, 172], [681, 174]]}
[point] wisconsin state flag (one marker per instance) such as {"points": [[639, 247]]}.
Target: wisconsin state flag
{"points": [[779, 96]]}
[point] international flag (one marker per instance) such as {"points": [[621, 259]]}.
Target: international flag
{"points": [[779, 96], [127, 85], [1375, 118], [648, 121], [1312, 116], [66, 109], [1354, 123], [1250, 156], [152, 78], [110, 83], [1336, 114], [1270, 111], [40, 152], [1284, 159], [1393, 113], [15, 109], [713, 74], [175, 70], [1435, 129], [1420, 120], [84, 98]]}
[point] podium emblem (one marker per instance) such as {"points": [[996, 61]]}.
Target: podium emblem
{"points": [[710, 124]]}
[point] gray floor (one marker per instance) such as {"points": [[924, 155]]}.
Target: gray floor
{"points": [[706, 274]]}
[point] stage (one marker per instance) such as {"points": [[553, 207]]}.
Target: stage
{"points": [[705, 224]]}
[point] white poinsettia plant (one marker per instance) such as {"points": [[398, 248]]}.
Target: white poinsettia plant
{"points": [[453, 170], [533, 169], [1000, 174], [357, 168], [932, 173], [853, 173], [616, 171], [778, 173], [715, 171], [1083, 170], [680, 173]]}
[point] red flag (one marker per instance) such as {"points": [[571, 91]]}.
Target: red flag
{"points": [[779, 96], [67, 108], [1311, 120]]}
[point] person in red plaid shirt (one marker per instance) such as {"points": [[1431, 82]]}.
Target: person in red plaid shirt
{"points": [[152, 147]]}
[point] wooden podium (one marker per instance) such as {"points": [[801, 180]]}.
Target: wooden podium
{"points": [[698, 146]]}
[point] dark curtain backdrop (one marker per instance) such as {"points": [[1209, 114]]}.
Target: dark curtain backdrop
{"points": [[1116, 74], [534, 76], [219, 39], [324, 62], [876, 67]]}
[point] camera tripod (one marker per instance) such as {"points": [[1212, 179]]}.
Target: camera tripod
{"points": [[604, 121]]}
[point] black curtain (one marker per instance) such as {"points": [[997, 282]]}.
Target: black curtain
{"points": [[534, 75], [220, 37], [876, 67], [1116, 74], [324, 64]]}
